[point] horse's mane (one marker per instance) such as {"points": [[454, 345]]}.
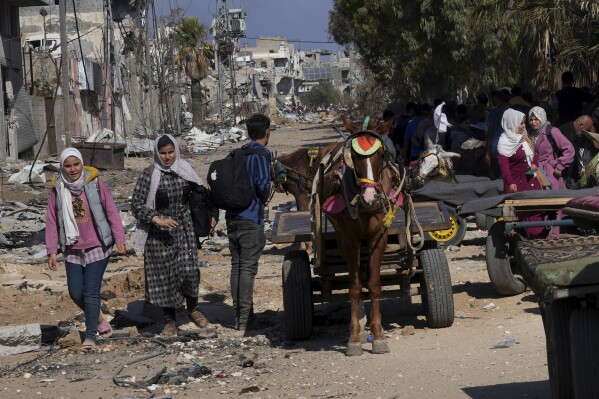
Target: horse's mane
{"points": [[293, 157]]}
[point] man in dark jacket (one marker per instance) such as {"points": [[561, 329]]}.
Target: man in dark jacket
{"points": [[245, 227]]}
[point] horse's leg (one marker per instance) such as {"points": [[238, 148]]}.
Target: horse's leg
{"points": [[351, 254], [377, 246], [362, 320]]}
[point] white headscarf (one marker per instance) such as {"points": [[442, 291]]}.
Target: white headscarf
{"points": [[180, 167], [66, 189], [511, 139], [541, 115]]}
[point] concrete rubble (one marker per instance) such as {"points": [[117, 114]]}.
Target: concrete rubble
{"points": [[20, 339]]}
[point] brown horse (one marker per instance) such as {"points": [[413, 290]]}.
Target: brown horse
{"points": [[358, 172], [300, 166], [297, 176]]}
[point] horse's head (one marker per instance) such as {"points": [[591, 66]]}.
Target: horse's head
{"points": [[434, 161], [367, 159]]}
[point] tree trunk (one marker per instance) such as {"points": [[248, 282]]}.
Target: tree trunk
{"points": [[196, 103]]}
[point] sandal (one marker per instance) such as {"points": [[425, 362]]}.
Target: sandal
{"points": [[88, 345], [104, 329], [198, 319], [169, 330]]}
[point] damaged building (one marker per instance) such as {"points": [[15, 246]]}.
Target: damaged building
{"points": [[105, 76], [17, 131], [275, 74]]}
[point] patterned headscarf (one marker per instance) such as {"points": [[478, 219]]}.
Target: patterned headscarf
{"points": [[541, 115]]}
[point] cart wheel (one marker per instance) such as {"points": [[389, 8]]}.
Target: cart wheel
{"points": [[484, 222], [297, 295], [435, 285], [584, 349], [556, 319], [498, 264], [453, 235]]}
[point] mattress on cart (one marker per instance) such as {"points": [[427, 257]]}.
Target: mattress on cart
{"points": [[563, 262]]}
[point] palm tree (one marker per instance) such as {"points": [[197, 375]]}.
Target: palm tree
{"points": [[194, 56]]}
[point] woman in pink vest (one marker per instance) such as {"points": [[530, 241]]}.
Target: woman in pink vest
{"points": [[83, 223]]}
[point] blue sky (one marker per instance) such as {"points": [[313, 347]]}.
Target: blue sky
{"points": [[296, 19]]}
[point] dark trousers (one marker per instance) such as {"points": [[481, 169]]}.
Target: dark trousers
{"points": [[84, 284], [246, 242]]}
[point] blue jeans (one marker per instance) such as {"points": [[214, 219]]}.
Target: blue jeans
{"points": [[84, 289], [246, 242]]}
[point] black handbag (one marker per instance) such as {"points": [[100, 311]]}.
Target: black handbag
{"points": [[201, 208]]}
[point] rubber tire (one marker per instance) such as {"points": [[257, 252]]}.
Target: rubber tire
{"points": [[297, 295], [458, 237], [483, 222], [436, 288], [556, 320], [584, 352], [498, 264]]}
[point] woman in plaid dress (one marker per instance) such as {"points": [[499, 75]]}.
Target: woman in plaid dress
{"points": [[165, 233]]}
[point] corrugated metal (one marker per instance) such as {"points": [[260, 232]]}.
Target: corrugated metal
{"points": [[27, 136]]}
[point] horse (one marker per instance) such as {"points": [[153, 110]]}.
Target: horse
{"points": [[356, 179], [295, 174], [434, 163]]}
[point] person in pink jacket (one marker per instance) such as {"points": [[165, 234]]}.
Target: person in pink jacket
{"points": [[82, 222]]}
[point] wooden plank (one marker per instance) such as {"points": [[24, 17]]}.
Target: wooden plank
{"points": [[535, 201]]}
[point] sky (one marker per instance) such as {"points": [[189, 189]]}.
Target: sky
{"points": [[305, 20]]}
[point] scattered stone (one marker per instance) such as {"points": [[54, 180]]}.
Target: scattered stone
{"points": [[73, 338]]}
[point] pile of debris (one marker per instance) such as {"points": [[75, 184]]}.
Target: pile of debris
{"points": [[200, 141]]}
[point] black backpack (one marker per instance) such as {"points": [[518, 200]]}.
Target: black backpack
{"points": [[229, 182]]}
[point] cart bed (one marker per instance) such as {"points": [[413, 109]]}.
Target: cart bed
{"points": [[292, 227], [564, 262]]}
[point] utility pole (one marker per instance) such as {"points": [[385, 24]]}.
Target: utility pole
{"points": [[107, 108], [229, 26], [64, 76], [149, 69]]}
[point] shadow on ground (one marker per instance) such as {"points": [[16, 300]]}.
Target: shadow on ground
{"points": [[529, 390]]}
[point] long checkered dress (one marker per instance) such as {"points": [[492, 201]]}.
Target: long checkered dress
{"points": [[171, 255]]}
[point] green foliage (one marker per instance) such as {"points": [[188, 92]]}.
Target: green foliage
{"points": [[433, 48], [321, 95]]}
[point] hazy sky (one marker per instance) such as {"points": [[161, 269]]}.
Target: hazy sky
{"points": [[296, 19]]}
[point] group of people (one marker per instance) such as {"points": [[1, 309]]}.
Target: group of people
{"points": [[83, 223], [522, 144], [480, 118]]}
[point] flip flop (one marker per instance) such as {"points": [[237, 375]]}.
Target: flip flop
{"points": [[88, 345], [104, 329]]}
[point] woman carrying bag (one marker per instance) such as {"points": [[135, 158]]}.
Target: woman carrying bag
{"points": [[166, 235]]}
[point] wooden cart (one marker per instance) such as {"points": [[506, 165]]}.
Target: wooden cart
{"points": [[324, 277], [564, 274], [504, 235]]}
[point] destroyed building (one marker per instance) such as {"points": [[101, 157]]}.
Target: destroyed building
{"points": [[17, 132]]}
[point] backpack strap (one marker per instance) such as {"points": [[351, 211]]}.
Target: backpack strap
{"points": [[556, 150]]}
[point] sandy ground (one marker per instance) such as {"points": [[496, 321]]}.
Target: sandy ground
{"points": [[455, 362]]}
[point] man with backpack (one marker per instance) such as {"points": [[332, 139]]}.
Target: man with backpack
{"points": [[245, 222]]}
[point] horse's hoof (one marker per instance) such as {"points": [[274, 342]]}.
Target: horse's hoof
{"points": [[353, 349], [363, 337], [380, 346]]}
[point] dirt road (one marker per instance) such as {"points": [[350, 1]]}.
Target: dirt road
{"points": [[455, 362]]}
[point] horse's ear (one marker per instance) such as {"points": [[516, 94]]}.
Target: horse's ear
{"points": [[384, 127], [349, 126], [448, 154], [428, 143]]}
